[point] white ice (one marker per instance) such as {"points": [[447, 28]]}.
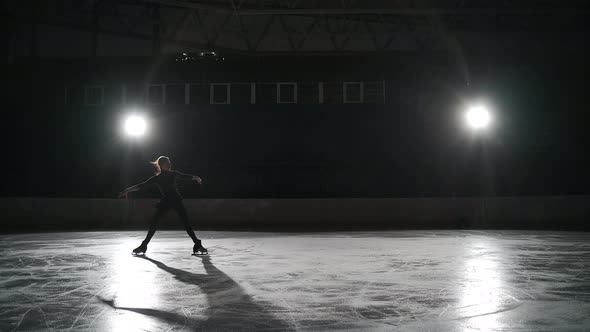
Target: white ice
{"points": [[371, 281]]}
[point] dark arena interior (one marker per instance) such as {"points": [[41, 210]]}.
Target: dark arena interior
{"points": [[337, 165]]}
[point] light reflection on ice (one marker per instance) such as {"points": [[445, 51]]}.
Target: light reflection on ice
{"points": [[379, 281], [482, 293], [130, 278]]}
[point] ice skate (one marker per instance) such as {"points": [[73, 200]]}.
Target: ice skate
{"points": [[198, 249], [141, 250]]}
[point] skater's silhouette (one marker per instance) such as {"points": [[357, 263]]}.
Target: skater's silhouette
{"points": [[230, 307], [165, 179]]}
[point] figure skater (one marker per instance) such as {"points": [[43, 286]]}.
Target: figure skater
{"points": [[165, 179]]}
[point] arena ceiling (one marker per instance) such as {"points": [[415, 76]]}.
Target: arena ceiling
{"points": [[315, 26]]}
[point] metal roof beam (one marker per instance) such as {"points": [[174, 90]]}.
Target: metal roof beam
{"points": [[369, 11]]}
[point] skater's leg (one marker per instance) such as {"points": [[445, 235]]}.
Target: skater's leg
{"points": [[181, 210], [198, 246], [160, 213]]}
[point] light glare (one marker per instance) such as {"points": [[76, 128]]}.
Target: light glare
{"points": [[477, 117], [135, 125]]}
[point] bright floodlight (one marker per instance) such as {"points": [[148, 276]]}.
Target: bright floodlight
{"points": [[135, 125], [477, 117]]}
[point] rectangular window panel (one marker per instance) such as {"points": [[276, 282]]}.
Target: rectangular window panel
{"points": [[93, 95], [220, 93], [352, 92], [373, 92], [287, 93], [333, 93]]}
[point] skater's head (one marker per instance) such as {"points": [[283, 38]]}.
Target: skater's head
{"points": [[162, 164]]}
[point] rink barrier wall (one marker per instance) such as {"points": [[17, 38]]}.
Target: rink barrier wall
{"points": [[559, 212]]}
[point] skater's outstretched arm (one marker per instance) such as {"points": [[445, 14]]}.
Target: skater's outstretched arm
{"points": [[137, 187], [183, 176]]}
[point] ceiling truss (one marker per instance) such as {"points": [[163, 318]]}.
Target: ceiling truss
{"points": [[302, 26]]}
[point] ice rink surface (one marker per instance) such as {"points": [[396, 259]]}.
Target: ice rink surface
{"points": [[360, 281]]}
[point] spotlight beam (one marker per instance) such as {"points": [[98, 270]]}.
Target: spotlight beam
{"points": [[135, 125]]}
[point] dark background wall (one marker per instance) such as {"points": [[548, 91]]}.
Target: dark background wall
{"points": [[304, 214], [412, 145]]}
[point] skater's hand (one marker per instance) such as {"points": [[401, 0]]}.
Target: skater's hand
{"points": [[122, 194], [198, 179]]}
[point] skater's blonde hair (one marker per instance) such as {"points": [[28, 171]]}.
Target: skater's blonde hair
{"points": [[158, 162]]}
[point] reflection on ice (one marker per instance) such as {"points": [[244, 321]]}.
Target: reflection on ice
{"points": [[483, 293], [132, 286], [378, 281], [212, 299]]}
